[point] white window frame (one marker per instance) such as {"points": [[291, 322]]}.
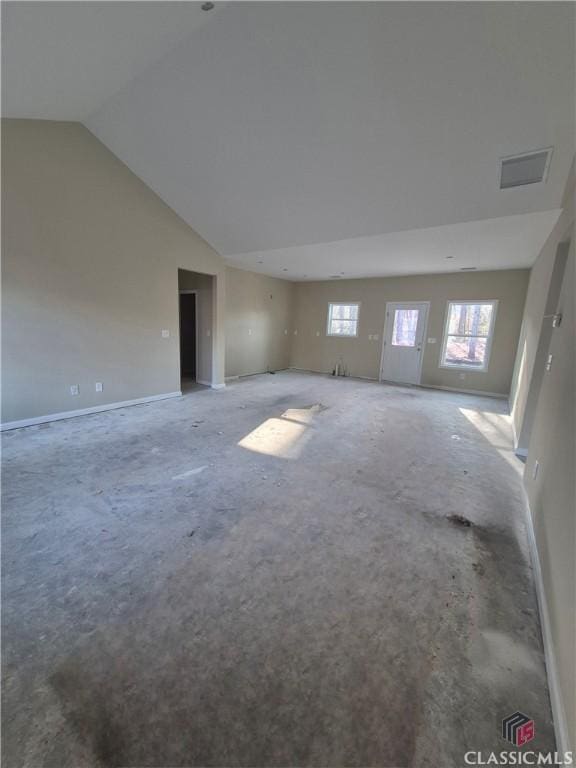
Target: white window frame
{"points": [[329, 322], [489, 337]]}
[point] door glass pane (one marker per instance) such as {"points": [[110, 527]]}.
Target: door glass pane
{"points": [[404, 330], [465, 350]]}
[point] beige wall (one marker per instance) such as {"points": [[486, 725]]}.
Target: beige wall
{"points": [[531, 347], [204, 287], [258, 314], [552, 493], [90, 275], [362, 356]]}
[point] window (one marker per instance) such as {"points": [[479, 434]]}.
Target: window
{"points": [[404, 328], [343, 319], [468, 334]]}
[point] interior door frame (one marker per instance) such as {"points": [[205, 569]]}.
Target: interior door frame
{"points": [[424, 337], [195, 292]]}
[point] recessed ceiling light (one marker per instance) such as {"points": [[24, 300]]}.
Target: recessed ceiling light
{"points": [[284, 270], [335, 277], [449, 257], [260, 261], [207, 6], [467, 269]]}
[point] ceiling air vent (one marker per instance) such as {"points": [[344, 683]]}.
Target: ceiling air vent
{"points": [[527, 168]]}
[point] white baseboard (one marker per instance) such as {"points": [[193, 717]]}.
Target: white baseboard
{"points": [[84, 411], [558, 712], [479, 392], [231, 378], [329, 373], [209, 384]]}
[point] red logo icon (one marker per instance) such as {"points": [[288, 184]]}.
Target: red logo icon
{"points": [[518, 729]]}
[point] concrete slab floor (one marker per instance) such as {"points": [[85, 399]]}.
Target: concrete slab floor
{"points": [[269, 575]]}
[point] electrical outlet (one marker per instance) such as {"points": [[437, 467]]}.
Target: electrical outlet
{"points": [[317, 333], [99, 386], [535, 469], [549, 363], [75, 389], [249, 331], [165, 334], [285, 331], [295, 333]]}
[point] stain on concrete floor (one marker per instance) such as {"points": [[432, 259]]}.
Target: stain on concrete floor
{"points": [[324, 613]]}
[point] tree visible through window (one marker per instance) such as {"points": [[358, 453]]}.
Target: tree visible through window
{"points": [[404, 328], [468, 334], [343, 319]]}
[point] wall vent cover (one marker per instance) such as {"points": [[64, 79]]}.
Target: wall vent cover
{"points": [[527, 168]]}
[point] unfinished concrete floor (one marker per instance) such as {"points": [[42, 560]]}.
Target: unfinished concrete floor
{"points": [[269, 575]]}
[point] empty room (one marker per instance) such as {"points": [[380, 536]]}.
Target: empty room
{"points": [[288, 384]]}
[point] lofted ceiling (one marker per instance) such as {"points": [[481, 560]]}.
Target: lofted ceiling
{"points": [[318, 138], [62, 60]]}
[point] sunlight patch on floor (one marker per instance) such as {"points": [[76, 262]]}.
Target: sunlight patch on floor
{"points": [[284, 436], [496, 428]]}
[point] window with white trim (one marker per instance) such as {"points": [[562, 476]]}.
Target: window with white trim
{"points": [[343, 319], [468, 334]]}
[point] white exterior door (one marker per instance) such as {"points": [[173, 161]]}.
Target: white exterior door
{"points": [[404, 337]]}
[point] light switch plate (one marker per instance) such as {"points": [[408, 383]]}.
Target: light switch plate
{"points": [[431, 340], [75, 389], [165, 334], [99, 386]]}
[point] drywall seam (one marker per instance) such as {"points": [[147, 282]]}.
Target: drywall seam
{"points": [[558, 713], [84, 411]]}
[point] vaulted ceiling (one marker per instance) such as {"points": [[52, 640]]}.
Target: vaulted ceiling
{"points": [[307, 139]]}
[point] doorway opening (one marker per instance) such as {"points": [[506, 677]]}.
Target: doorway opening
{"points": [[188, 339], [196, 322], [403, 341]]}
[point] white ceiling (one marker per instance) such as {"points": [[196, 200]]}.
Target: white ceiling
{"points": [[510, 242], [62, 60], [280, 125]]}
